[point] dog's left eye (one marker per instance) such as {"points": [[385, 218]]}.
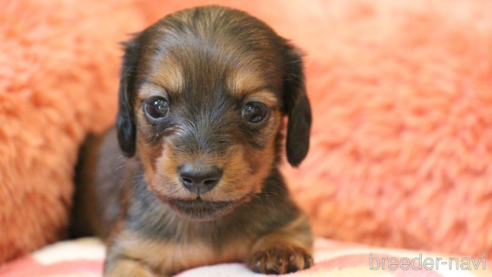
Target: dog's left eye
{"points": [[255, 112], [156, 107]]}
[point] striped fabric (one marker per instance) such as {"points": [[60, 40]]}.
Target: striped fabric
{"points": [[84, 258]]}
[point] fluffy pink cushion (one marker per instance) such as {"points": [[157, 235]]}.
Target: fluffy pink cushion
{"points": [[59, 62]]}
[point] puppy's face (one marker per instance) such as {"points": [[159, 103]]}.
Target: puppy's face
{"points": [[202, 99]]}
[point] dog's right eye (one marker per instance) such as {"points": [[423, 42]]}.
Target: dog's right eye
{"points": [[156, 107]]}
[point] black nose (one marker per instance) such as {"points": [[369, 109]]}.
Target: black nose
{"points": [[199, 177]]}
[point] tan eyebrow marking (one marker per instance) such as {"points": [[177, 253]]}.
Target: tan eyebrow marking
{"points": [[242, 81], [150, 89], [168, 74], [266, 96]]}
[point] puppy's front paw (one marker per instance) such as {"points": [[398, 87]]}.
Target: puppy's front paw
{"points": [[280, 259]]}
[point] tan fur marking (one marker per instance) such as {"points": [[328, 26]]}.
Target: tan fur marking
{"points": [[293, 234], [171, 258], [169, 75], [148, 156], [166, 78], [265, 96], [147, 90], [262, 159], [166, 173], [129, 268], [242, 81]]}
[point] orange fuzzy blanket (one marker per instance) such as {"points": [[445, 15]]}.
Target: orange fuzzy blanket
{"points": [[401, 91]]}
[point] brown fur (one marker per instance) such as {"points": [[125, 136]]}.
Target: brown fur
{"points": [[284, 250], [197, 253], [207, 64]]}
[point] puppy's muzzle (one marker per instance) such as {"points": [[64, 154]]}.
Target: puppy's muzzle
{"points": [[199, 177]]}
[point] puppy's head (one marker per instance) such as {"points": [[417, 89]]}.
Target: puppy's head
{"points": [[202, 98]]}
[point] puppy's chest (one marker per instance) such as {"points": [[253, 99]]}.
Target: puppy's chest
{"points": [[169, 244], [169, 257]]}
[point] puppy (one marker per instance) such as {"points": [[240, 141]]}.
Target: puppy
{"points": [[202, 101]]}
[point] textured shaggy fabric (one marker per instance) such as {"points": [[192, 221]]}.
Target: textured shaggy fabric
{"points": [[58, 76], [401, 90]]}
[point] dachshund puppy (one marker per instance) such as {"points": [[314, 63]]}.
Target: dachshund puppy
{"points": [[202, 101]]}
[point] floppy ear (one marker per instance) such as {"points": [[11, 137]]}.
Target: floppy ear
{"points": [[125, 118], [297, 107]]}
